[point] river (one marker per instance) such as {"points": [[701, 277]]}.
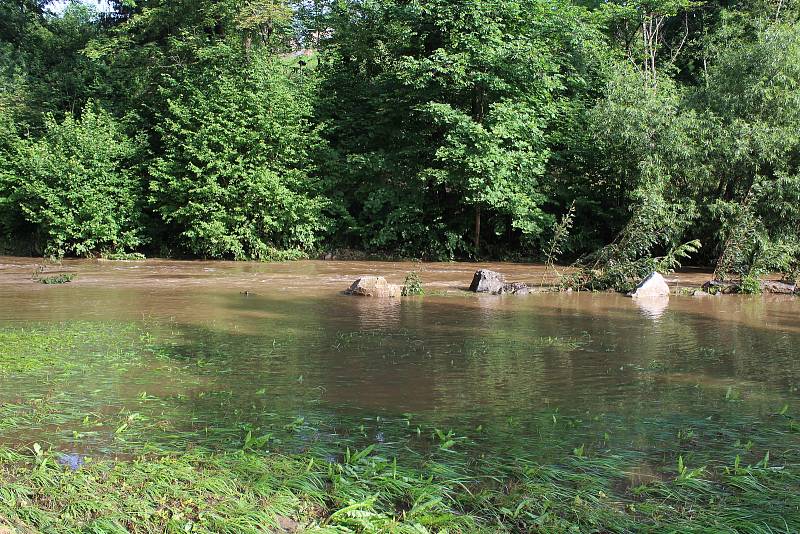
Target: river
{"points": [[175, 354]]}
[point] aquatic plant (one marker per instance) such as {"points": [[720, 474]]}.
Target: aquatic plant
{"points": [[63, 278], [413, 285], [554, 249]]}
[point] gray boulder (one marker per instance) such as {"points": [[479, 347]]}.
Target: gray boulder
{"points": [[780, 288], [515, 288], [652, 286], [717, 287], [487, 281]]}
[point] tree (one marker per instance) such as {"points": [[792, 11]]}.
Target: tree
{"points": [[270, 20], [231, 178], [650, 32], [71, 190], [752, 105], [439, 112]]}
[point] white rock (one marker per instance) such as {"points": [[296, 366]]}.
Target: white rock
{"points": [[652, 286]]}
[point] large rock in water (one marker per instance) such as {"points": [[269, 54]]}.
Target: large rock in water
{"points": [[373, 286], [652, 286], [487, 281], [717, 287]]}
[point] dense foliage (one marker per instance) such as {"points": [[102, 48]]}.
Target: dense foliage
{"points": [[260, 129], [71, 189], [232, 176]]}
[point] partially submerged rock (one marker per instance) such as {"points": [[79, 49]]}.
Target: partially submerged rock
{"points": [[699, 293], [767, 286], [374, 286], [488, 281], [515, 288], [716, 287], [780, 288], [652, 286]]}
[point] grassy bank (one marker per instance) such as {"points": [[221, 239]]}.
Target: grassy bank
{"points": [[247, 492]]}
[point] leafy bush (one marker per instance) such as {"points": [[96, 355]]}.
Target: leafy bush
{"points": [[72, 189], [413, 285], [750, 285], [231, 181]]}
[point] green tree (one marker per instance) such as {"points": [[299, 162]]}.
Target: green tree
{"points": [[439, 113], [71, 191], [752, 103], [231, 178]]}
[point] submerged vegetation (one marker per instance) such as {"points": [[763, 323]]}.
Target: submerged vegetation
{"points": [[413, 285], [63, 278], [41, 275], [68, 464]]}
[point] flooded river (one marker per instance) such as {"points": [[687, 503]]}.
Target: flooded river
{"points": [[184, 354]]}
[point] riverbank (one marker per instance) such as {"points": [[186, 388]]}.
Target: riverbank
{"points": [[241, 492], [321, 275]]}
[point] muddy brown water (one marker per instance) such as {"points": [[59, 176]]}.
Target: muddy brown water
{"points": [[280, 340]]}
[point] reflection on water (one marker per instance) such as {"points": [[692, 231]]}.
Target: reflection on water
{"points": [[652, 307], [295, 355]]}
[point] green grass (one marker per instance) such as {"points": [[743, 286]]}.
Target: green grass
{"points": [[249, 492]]}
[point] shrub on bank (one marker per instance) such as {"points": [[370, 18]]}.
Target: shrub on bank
{"points": [[72, 189]]}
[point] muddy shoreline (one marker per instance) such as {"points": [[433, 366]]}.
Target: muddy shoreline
{"points": [[295, 275]]}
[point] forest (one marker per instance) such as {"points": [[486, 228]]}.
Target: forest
{"points": [[621, 134]]}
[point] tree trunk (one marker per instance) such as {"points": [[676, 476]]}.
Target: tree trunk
{"points": [[477, 230], [477, 115]]}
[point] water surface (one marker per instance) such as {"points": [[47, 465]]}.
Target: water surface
{"points": [[184, 354]]}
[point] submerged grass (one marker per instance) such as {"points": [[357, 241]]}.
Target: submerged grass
{"points": [[129, 470], [24, 349]]}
